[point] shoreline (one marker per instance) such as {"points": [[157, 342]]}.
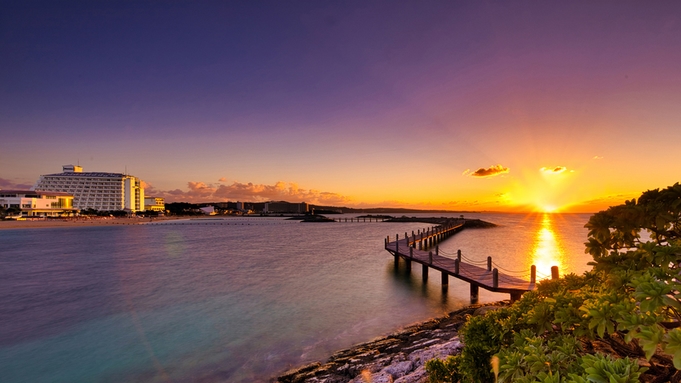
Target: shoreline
{"points": [[399, 357], [80, 222]]}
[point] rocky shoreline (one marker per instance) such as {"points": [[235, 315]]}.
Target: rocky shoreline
{"points": [[399, 357]]}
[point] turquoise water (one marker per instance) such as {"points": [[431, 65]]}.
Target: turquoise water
{"points": [[237, 301]]}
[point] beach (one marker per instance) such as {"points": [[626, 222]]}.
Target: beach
{"points": [[80, 221]]}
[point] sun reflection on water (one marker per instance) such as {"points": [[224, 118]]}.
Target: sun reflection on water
{"points": [[547, 250]]}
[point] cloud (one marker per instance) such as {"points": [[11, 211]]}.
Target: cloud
{"points": [[465, 172], [553, 170], [597, 157], [223, 179], [10, 185], [492, 171], [247, 192]]}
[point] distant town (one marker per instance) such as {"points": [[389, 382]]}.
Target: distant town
{"points": [[74, 192]]}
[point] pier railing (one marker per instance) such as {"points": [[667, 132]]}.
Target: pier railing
{"points": [[478, 273]]}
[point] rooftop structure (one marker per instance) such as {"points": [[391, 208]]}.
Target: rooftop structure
{"points": [[96, 190]]}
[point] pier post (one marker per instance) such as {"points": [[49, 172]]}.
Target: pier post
{"points": [[533, 274], [456, 266], [495, 278], [408, 262], [516, 295], [397, 243], [489, 263], [475, 292], [424, 272], [430, 257], [437, 250], [554, 272], [458, 255], [445, 279], [397, 261], [411, 252]]}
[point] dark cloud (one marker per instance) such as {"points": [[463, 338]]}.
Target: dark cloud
{"points": [[10, 185], [553, 170], [493, 170]]}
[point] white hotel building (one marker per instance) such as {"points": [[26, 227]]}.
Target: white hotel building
{"points": [[33, 203], [96, 190]]}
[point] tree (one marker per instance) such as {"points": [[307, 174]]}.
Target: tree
{"points": [[637, 252]]}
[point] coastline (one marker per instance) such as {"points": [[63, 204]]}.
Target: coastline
{"points": [[399, 357], [80, 222]]}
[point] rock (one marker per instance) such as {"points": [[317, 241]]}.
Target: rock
{"points": [[485, 309], [398, 357], [442, 351], [417, 376], [399, 369]]}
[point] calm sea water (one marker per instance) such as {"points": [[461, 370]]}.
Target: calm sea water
{"points": [[235, 302]]}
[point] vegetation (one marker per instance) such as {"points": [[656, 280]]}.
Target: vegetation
{"points": [[183, 208], [104, 213], [629, 303]]}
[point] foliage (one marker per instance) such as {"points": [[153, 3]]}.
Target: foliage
{"points": [[104, 213], [606, 369], [444, 371], [633, 293], [183, 208]]}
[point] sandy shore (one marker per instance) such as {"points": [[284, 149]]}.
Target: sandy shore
{"points": [[71, 222]]}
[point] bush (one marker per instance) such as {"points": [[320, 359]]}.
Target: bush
{"points": [[633, 293]]}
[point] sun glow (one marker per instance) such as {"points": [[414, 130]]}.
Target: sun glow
{"points": [[547, 251]]}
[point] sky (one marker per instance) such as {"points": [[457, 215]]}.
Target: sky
{"points": [[482, 105]]}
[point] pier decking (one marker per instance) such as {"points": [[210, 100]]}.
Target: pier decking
{"points": [[476, 273]]}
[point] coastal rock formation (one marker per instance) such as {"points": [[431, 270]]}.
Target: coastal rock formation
{"points": [[398, 358]]}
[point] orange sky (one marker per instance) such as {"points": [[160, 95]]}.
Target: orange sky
{"points": [[425, 105]]}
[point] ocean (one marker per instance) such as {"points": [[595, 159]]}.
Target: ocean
{"points": [[234, 299]]}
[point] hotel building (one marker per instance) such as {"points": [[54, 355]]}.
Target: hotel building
{"points": [[96, 190], [154, 204], [38, 204], [286, 207]]}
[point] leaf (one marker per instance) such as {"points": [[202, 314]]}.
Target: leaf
{"points": [[649, 338], [673, 346]]}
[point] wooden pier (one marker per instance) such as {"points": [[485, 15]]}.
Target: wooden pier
{"points": [[412, 248], [362, 219]]}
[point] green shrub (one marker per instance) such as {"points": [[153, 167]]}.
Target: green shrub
{"points": [[634, 290]]}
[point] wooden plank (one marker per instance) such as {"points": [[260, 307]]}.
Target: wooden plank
{"points": [[475, 275]]}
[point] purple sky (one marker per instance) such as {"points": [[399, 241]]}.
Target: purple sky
{"points": [[354, 102]]}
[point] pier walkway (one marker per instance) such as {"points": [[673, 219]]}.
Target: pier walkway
{"points": [[477, 273]]}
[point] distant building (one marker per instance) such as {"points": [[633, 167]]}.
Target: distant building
{"points": [[154, 204], [208, 210], [38, 203], [96, 190], [285, 207]]}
